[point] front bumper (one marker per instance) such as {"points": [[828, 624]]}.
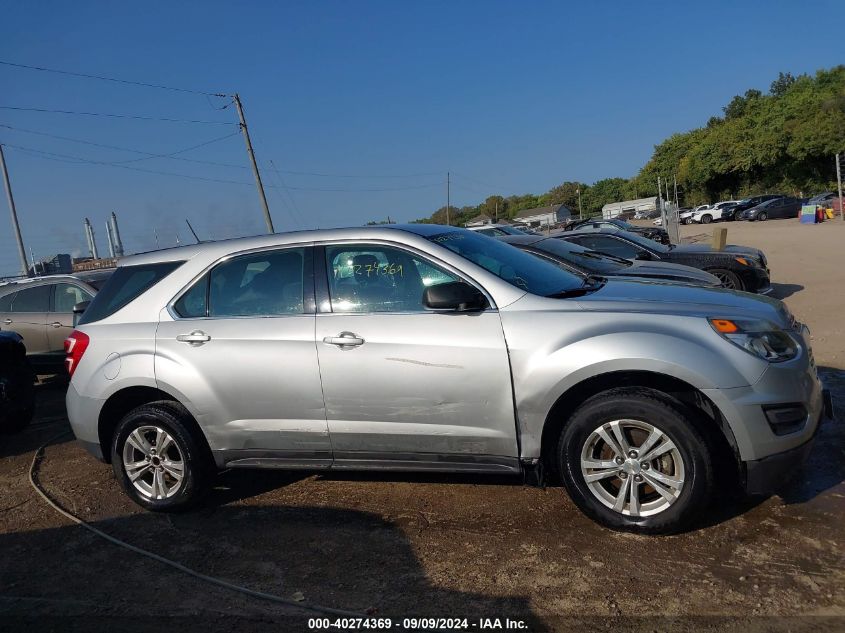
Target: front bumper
{"points": [[764, 476]]}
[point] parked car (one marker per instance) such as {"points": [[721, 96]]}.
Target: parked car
{"points": [[496, 230], [583, 261], [433, 348], [737, 267], [747, 203], [17, 392], [657, 234], [777, 208], [712, 213], [685, 217], [40, 309]]}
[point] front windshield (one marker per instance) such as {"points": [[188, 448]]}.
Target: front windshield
{"points": [[583, 258], [647, 243], [507, 262]]}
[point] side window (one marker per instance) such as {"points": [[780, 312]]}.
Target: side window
{"points": [[194, 303], [610, 246], [32, 300], [6, 302], [373, 278], [271, 283], [67, 296]]}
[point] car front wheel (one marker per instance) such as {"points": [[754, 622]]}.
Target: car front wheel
{"points": [[632, 460], [730, 280], [706, 219], [157, 459], [762, 217]]}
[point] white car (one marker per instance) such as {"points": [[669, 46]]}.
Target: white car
{"points": [[709, 214], [687, 216]]}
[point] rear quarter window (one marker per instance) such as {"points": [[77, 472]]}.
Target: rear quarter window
{"points": [[126, 284]]}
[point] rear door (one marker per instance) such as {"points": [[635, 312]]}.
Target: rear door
{"points": [[412, 388], [28, 317], [240, 347], [60, 319]]}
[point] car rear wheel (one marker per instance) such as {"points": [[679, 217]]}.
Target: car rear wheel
{"points": [[762, 216], [729, 279], [632, 459], [706, 219], [157, 459]]}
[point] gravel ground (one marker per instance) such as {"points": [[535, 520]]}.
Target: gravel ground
{"points": [[406, 545]]}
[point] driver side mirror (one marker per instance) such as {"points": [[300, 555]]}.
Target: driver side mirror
{"points": [[78, 309], [455, 295]]}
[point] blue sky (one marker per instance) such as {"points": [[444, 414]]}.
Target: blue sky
{"points": [[511, 97]]}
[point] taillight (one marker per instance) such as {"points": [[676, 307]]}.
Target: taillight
{"points": [[75, 346]]}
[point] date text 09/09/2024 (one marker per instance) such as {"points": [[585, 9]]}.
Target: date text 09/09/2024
{"points": [[416, 624]]}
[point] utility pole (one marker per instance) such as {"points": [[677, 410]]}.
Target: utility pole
{"points": [[675, 179], [839, 181], [267, 219], [497, 210], [15, 226], [580, 211], [448, 185]]}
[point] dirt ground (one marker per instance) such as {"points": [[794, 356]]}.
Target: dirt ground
{"points": [[407, 546]]}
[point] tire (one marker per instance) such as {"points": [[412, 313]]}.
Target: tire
{"points": [[17, 397], [685, 464], [706, 218], [157, 487], [729, 279], [762, 216]]}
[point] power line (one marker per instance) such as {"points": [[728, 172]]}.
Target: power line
{"points": [[82, 160], [112, 79], [362, 176], [147, 155], [117, 116]]}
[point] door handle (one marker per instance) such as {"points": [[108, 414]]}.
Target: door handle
{"points": [[344, 339], [56, 324], [196, 337], [7, 321]]}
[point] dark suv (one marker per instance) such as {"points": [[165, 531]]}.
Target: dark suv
{"points": [[747, 203]]}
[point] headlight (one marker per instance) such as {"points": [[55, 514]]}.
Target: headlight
{"points": [[757, 337]]}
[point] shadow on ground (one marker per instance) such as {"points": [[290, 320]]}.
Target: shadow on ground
{"points": [[782, 291], [340, 558]]}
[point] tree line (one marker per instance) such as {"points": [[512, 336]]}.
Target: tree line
{"points": [[783, 141]]}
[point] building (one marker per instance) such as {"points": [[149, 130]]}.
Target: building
{"points": [[544, 216], [60, 264], [614, 209], [479, 220], [88, 263]]}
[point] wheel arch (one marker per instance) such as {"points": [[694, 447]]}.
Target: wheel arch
{"points": [[123, 401], [701, 408]]}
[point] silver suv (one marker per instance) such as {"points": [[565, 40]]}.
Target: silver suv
{"points": [[431, 348]]}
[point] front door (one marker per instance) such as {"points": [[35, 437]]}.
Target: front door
{"points": [[405, 386], [240, 346]]}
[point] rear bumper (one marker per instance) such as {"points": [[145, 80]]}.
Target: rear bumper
{"points": [[84, 414]]}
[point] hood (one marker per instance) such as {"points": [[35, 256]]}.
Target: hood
{"points": [[683, 300], [733, 249], [664, 271]]}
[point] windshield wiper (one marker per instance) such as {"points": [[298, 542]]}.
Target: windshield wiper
{"points": [[591, 284]]}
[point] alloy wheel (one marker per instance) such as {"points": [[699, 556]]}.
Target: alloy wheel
{"points": [[153, 462], [632, 467], [726, 279]]}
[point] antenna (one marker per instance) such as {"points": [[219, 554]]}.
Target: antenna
{"points": [[193, 231]]}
